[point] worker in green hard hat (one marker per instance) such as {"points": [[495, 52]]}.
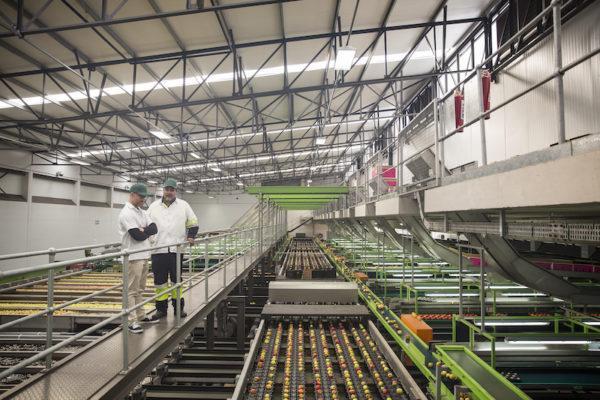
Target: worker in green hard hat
{"points": [[135, 227], [176, 222]]}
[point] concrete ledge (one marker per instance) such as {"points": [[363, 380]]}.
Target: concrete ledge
{"points": [[570, 180]]}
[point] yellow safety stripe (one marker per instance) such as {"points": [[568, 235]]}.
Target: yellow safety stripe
{"points": [[176, 293], [191, 222], [159, 289]]}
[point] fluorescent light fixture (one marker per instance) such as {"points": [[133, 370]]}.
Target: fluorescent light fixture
{"points": [[211, 197], [160, 134], [515, 323], [319, 140], [152, 182], [506, 287], [436, 287], [240, 183], [592, 323], [530, 348], [216, 169], [451, 295], [189, 191], [416, 275], [549, 341], [344, 58], [309, 181], [196, 156], [533, 294]]}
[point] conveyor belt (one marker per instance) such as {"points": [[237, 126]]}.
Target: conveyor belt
{"points": [[95, 373], [497, 387]]}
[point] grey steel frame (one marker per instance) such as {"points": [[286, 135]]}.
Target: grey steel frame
{"points": [[398, 145]]}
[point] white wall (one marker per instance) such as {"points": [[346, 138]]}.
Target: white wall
{"points": [[529, 123], [296, 217], [220, 212], [28, 226]]}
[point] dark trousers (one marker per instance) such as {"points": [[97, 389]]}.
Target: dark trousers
{"points": [[164, 268]]}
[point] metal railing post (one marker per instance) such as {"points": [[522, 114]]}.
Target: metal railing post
{"points": [[50, 316], [178, 289], [560, 91], [481, 117], [237, 253], [224, 261], [125, 311], [437, 139], [482, 289], [460, 280], [206, 266]]}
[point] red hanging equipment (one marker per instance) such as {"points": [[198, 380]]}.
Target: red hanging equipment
{"points": [[486, 82], [459, 109]]}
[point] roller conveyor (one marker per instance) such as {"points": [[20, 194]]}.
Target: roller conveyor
{"points": [[303, 259]]}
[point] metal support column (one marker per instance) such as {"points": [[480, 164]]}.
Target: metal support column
{"points": [[481, 117], [482, 288], [224, 266], [125, 316], [209, 330], [50, 316], [179, 289], [560, 91], [240, 301], [460, 281], [206, 266], [260, 224]]}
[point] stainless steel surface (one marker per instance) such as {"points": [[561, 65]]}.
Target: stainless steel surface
{"points": [[96, 371], [313, 292], [324, 310], [242, 379], [409, 384]]}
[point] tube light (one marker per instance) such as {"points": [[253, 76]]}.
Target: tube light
{"points": [[152, 182], [521, 348], [524, 294], [240, 183], [451, 295], [435, 287], [320, 141], [196, 156], [516, 323], [189, 191], [216, 169], [549, 341], [344, 58], [592, 323], [160, 134]]}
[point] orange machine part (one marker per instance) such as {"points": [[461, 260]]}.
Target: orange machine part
{"points": [[361, 276], [420, 328]]}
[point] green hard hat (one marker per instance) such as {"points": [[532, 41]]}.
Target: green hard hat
{"points": [[140, 189], [170, 182]]}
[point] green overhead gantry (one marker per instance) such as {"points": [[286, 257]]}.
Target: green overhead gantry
{"points": [[299, 197]]}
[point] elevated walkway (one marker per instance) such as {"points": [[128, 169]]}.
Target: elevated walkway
{"points": [[96, 371]]}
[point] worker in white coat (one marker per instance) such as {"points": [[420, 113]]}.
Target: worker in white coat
{"points": [[176, 223], [135, 227]]}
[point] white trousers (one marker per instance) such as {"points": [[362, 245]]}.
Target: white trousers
{"points": [[137, 274]]}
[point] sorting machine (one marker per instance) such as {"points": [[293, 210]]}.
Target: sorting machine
{"points": [[542, 345], [316, 342], [302, 259]]}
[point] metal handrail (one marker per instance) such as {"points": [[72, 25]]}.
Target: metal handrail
{"points": [[56, 251], [276, 231]]}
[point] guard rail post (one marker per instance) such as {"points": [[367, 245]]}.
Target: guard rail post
{"points": [[224, 261], [178, 288], [50, 299], [560, 90], [206, 263], [125, 312]]}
